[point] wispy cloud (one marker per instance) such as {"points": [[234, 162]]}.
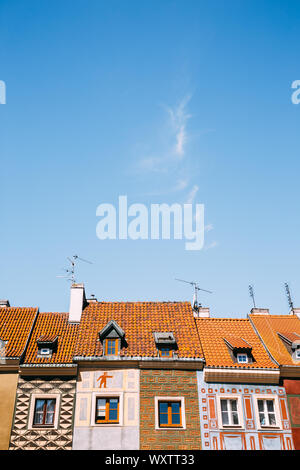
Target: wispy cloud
{"points": [[179, 117], [192, 194], [211, 245], [208, 227]]}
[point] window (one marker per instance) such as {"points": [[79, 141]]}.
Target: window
{"points": [[169, 414], [266, 412], [165, 352], [111, 347], [107, 410], [297, 353], [44, 411], [229, 412], [45, 351], [242, 358]]}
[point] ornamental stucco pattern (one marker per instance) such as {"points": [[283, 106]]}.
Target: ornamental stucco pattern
{"points": [[60, 437]]}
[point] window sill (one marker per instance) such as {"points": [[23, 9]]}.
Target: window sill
{"points": [[269, 427], [98, 425], [232, 426], [173, 428], [43, 426]]}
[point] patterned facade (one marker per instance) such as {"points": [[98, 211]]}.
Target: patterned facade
{"points": [[248, 434], [281, 336], [150, 376], [166, 385], [24, 436]]}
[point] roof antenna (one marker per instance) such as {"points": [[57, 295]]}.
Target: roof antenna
{"points": [[289, 297], [196, 289], [70, 272], [251, 292]]}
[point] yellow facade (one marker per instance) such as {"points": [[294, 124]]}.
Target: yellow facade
{"points": [[8, 388]]}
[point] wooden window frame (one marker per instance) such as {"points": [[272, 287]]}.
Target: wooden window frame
{"points": [[43, 424], [169, 424], [116, 342], [107, 420], [165, 355]]}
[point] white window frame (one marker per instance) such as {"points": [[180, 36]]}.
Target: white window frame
{"points": [[182, 407], [107, 394], [242, 354], [43, 353], [297, 354], [267, 397], [45, 396], [240, 425]]}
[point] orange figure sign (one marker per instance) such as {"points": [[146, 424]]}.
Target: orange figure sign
{"points": [[103, 378]]}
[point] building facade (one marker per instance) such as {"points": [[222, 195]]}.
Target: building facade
{"points": [[15, 327], [280, 335], [44, 407], [242, 406]]}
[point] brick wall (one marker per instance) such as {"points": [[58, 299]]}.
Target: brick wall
{"points": [[156, 383]]}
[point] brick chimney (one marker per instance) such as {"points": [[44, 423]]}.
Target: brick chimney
{"points": [[260, 311], [77, 302]]}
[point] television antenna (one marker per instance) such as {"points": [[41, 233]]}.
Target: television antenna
{"points": [[251, 292], [70, 271], [196, 289], [288, 295]]}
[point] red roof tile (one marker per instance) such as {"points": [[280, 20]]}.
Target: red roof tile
{"points": [[268, 327], [139, 320], [236, 342], [212, 332], [15, 326], [52, 325]]}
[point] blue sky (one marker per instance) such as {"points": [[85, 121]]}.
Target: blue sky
{"points": [[162, 101]]}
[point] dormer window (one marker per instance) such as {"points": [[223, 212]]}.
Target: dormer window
{"points": [[166, 344], [242, 358], [45, 351], [291, 341], [165, 352], [111, 347], [239, 349], [47, 345], [112, 338]]}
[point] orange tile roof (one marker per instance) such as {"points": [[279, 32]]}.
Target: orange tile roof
{"points": [[53, 325], [139, 320], [47, 338], [212, 332], [15, 327], [290, 336], [237, 343], [268, 326]]}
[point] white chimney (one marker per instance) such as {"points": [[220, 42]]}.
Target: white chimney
{"points": [[202, 312], [77, 302], [4, 303], [295, 311], [260, 311]]}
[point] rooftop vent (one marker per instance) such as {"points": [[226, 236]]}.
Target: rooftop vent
{"points": [[4, 303]]}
